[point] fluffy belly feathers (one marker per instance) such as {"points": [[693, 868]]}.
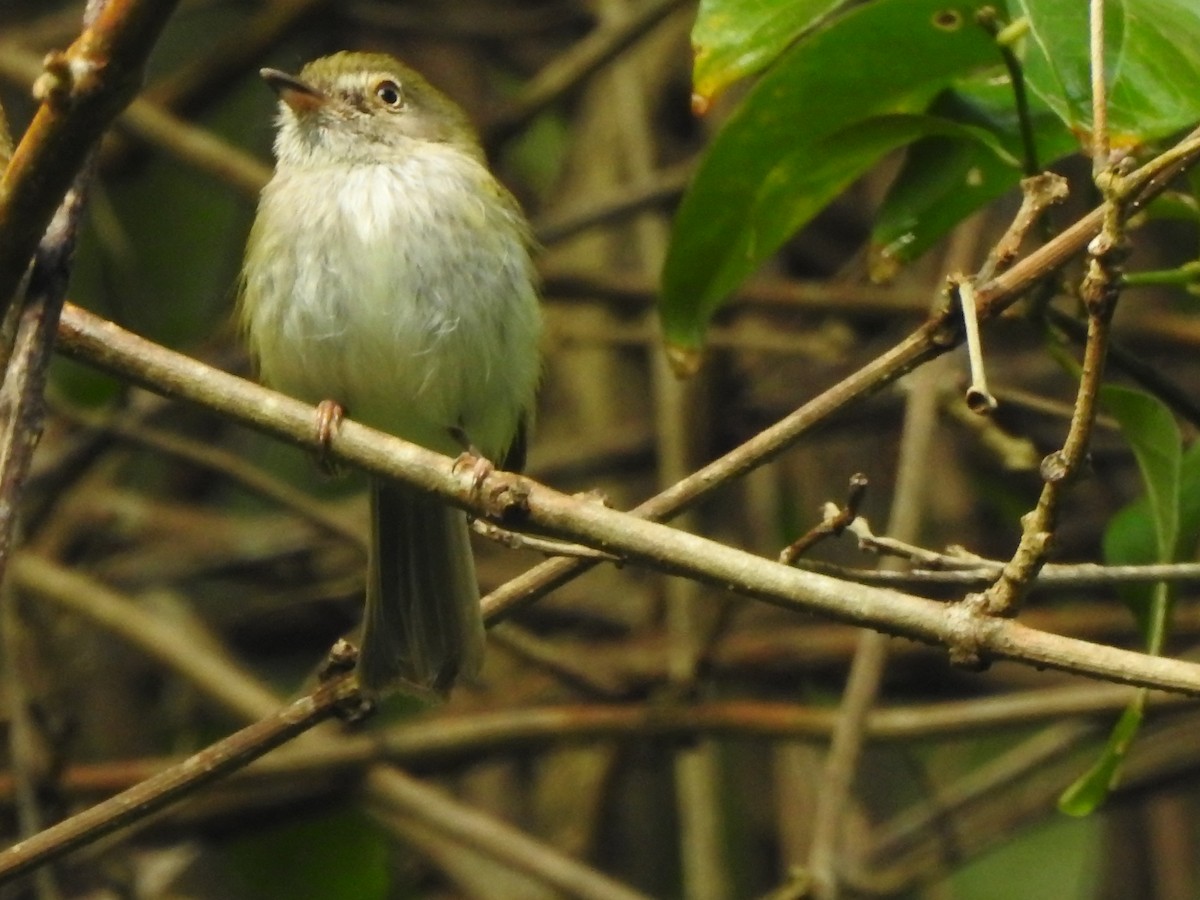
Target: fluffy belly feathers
{"points": [[411, 306]]}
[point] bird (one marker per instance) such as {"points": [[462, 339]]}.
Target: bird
{"points": [[389, 274]]}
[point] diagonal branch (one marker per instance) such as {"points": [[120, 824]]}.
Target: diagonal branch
{"points": [[83, 89], [513, 499], [166, 787]]}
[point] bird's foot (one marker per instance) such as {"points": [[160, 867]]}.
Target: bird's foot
{"points": [[330, 414], [480, 467]]}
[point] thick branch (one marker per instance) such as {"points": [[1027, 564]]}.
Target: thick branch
{"points": [[510, 498]]}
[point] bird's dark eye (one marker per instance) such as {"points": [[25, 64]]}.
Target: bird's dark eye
{"points": [[388, 93]]}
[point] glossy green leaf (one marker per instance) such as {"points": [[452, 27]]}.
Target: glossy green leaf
{"points": [[735, 38], [1153, 435], [1148, 530], [1130, 538], [1189, 505], [1173, 206], [1152, 61], [1091, 789], [944, 180], [833, 104]]}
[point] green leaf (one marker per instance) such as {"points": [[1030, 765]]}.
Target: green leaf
{"points": [[1153, 434], [735, 38], [944, 180], [1173, 206], [1130, 539], [802, 135], [1154, 437], [1091, 789], [1152, 61], [1189, 504]]}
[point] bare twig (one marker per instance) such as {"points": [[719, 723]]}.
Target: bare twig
{"points": [[1038, 194], [167, 787], [935, 336], [223, 462], [978, 398], [1101, 148], [86, 86], [966, 572], [236, 691], [156, 126], [659, 190], [516, 541], [932, 338], [833, 524], [443, 739], [565, 73], [22, 401], [1099, 293], [870, 655], [1180, 398]]}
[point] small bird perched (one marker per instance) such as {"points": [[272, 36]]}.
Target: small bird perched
{"points": [[388, 273]]}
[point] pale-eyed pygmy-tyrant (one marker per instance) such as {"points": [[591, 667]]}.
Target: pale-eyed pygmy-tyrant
{"points": [[388, 271]]}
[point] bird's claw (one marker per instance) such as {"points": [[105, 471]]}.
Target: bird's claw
{"points": [[330, 414]]}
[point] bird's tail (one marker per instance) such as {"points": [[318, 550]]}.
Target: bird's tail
{"points": [[422, 627]]}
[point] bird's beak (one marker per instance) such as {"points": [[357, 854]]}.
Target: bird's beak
{"points": [[299, 95]]}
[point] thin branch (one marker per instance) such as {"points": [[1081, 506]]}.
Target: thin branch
{"points": [[871, 653], [567, 71], [247, 698], [507, 498], [22, 393], [157, 127], [1099, 292], [1101, 148], [932, 338], [663, 188], [1181, 399], [1038, 194], [834, 522], [446, 739], [167, 787], [980, 573], [84, 89]]}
